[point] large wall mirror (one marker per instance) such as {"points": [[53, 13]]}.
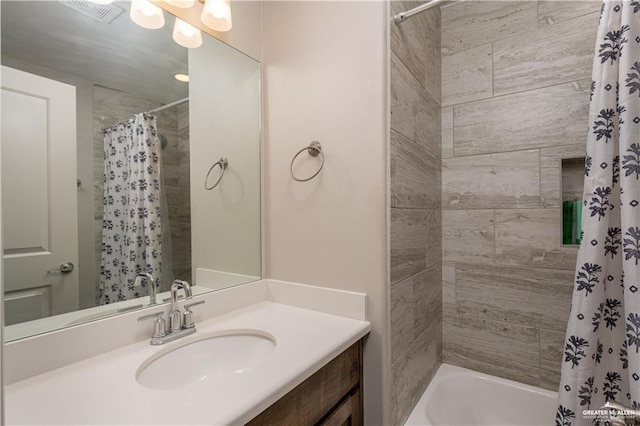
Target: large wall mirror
{"points": [[105, 151]]}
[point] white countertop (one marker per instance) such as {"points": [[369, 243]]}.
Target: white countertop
{"points": [[104, 390], [207, 280]]}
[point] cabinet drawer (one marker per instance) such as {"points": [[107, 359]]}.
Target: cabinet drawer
{"points": [[348, 413]]}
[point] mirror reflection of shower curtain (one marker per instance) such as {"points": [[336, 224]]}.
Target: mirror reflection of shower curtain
{"points": [[132, 225]]}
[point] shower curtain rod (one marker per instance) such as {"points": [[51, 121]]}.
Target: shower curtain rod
{"points": [[403, 16], [172, 104], [163, 107]]}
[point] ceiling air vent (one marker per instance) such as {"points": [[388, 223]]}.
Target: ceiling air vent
{"points": [[101, 13]]}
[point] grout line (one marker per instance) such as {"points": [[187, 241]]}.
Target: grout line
{"points": [[573, 17], [493, 75], [418, 208], [411, 277], [424, 148], [495, 239], [539, 356], [455, 288], [534, 148], [392, 130], [504, 95], [394, 53], [517, 34], [453, 132], [489, 208], [422, 84], [540, 177]]}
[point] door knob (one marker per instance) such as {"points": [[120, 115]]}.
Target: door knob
{"points": [[65, 268]]}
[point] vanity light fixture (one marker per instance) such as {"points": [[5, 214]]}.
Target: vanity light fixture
{"points": [[186, 35], [183, 78], [146, 14], [216, 14], [184, 4]]}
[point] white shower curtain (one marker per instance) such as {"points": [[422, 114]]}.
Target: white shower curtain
{"points": [[132, 230], [601, 359]]}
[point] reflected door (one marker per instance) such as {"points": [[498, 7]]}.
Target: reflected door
{"points": [[39, 196]]}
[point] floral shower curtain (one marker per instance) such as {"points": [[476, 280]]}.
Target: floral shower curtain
{"points": [[132, 230], [601, 359]]}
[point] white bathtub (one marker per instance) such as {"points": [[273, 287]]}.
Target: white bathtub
{"points": [[458, 396]]}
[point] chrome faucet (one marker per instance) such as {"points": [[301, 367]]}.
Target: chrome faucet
{"points": [[180, 324], [151, 284], [175, 316]]}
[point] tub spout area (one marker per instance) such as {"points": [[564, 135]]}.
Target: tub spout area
{"points": [[458, 396]]}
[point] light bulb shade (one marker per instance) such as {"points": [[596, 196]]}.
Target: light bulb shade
{"points": [[216, 14], [146, 14], [181, 3], [186, 35]]}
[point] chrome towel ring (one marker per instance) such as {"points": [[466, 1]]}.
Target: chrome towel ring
{"points": [[314, 149], [223, 163]]}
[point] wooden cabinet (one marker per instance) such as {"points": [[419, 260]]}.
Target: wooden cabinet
{"points": [[330, 397], [347, 413]]}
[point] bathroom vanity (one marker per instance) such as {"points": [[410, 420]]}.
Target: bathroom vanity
{"points": [[263, 351], [332, 396], [308, 372]]}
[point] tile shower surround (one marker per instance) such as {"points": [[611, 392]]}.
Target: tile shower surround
{"points": [[416, 284], [515, 94], [512, 97]]}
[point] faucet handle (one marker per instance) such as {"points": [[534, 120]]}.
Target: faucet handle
{"points": [[159, 326], [188, 305], [187, 322], [151, 316]]}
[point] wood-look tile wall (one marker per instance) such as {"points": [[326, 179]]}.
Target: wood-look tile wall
{"points": [[415, 216], [177, 184], [515, 95]]}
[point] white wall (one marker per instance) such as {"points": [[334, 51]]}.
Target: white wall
{"points": [[224, 117], [325, 79]]}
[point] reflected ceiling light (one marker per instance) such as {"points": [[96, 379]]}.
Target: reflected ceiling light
{"points": [[146, 14], [184, 78], [216, 14], [181, 3], [186, 35], [102, 2]]}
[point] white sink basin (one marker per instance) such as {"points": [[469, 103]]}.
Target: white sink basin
{"points": [[204, 357]]}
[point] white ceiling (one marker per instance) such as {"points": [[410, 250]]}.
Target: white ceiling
{"points": [[120, 55]]}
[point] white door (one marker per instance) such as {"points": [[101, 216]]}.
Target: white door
{"points": [[39, 196]]}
